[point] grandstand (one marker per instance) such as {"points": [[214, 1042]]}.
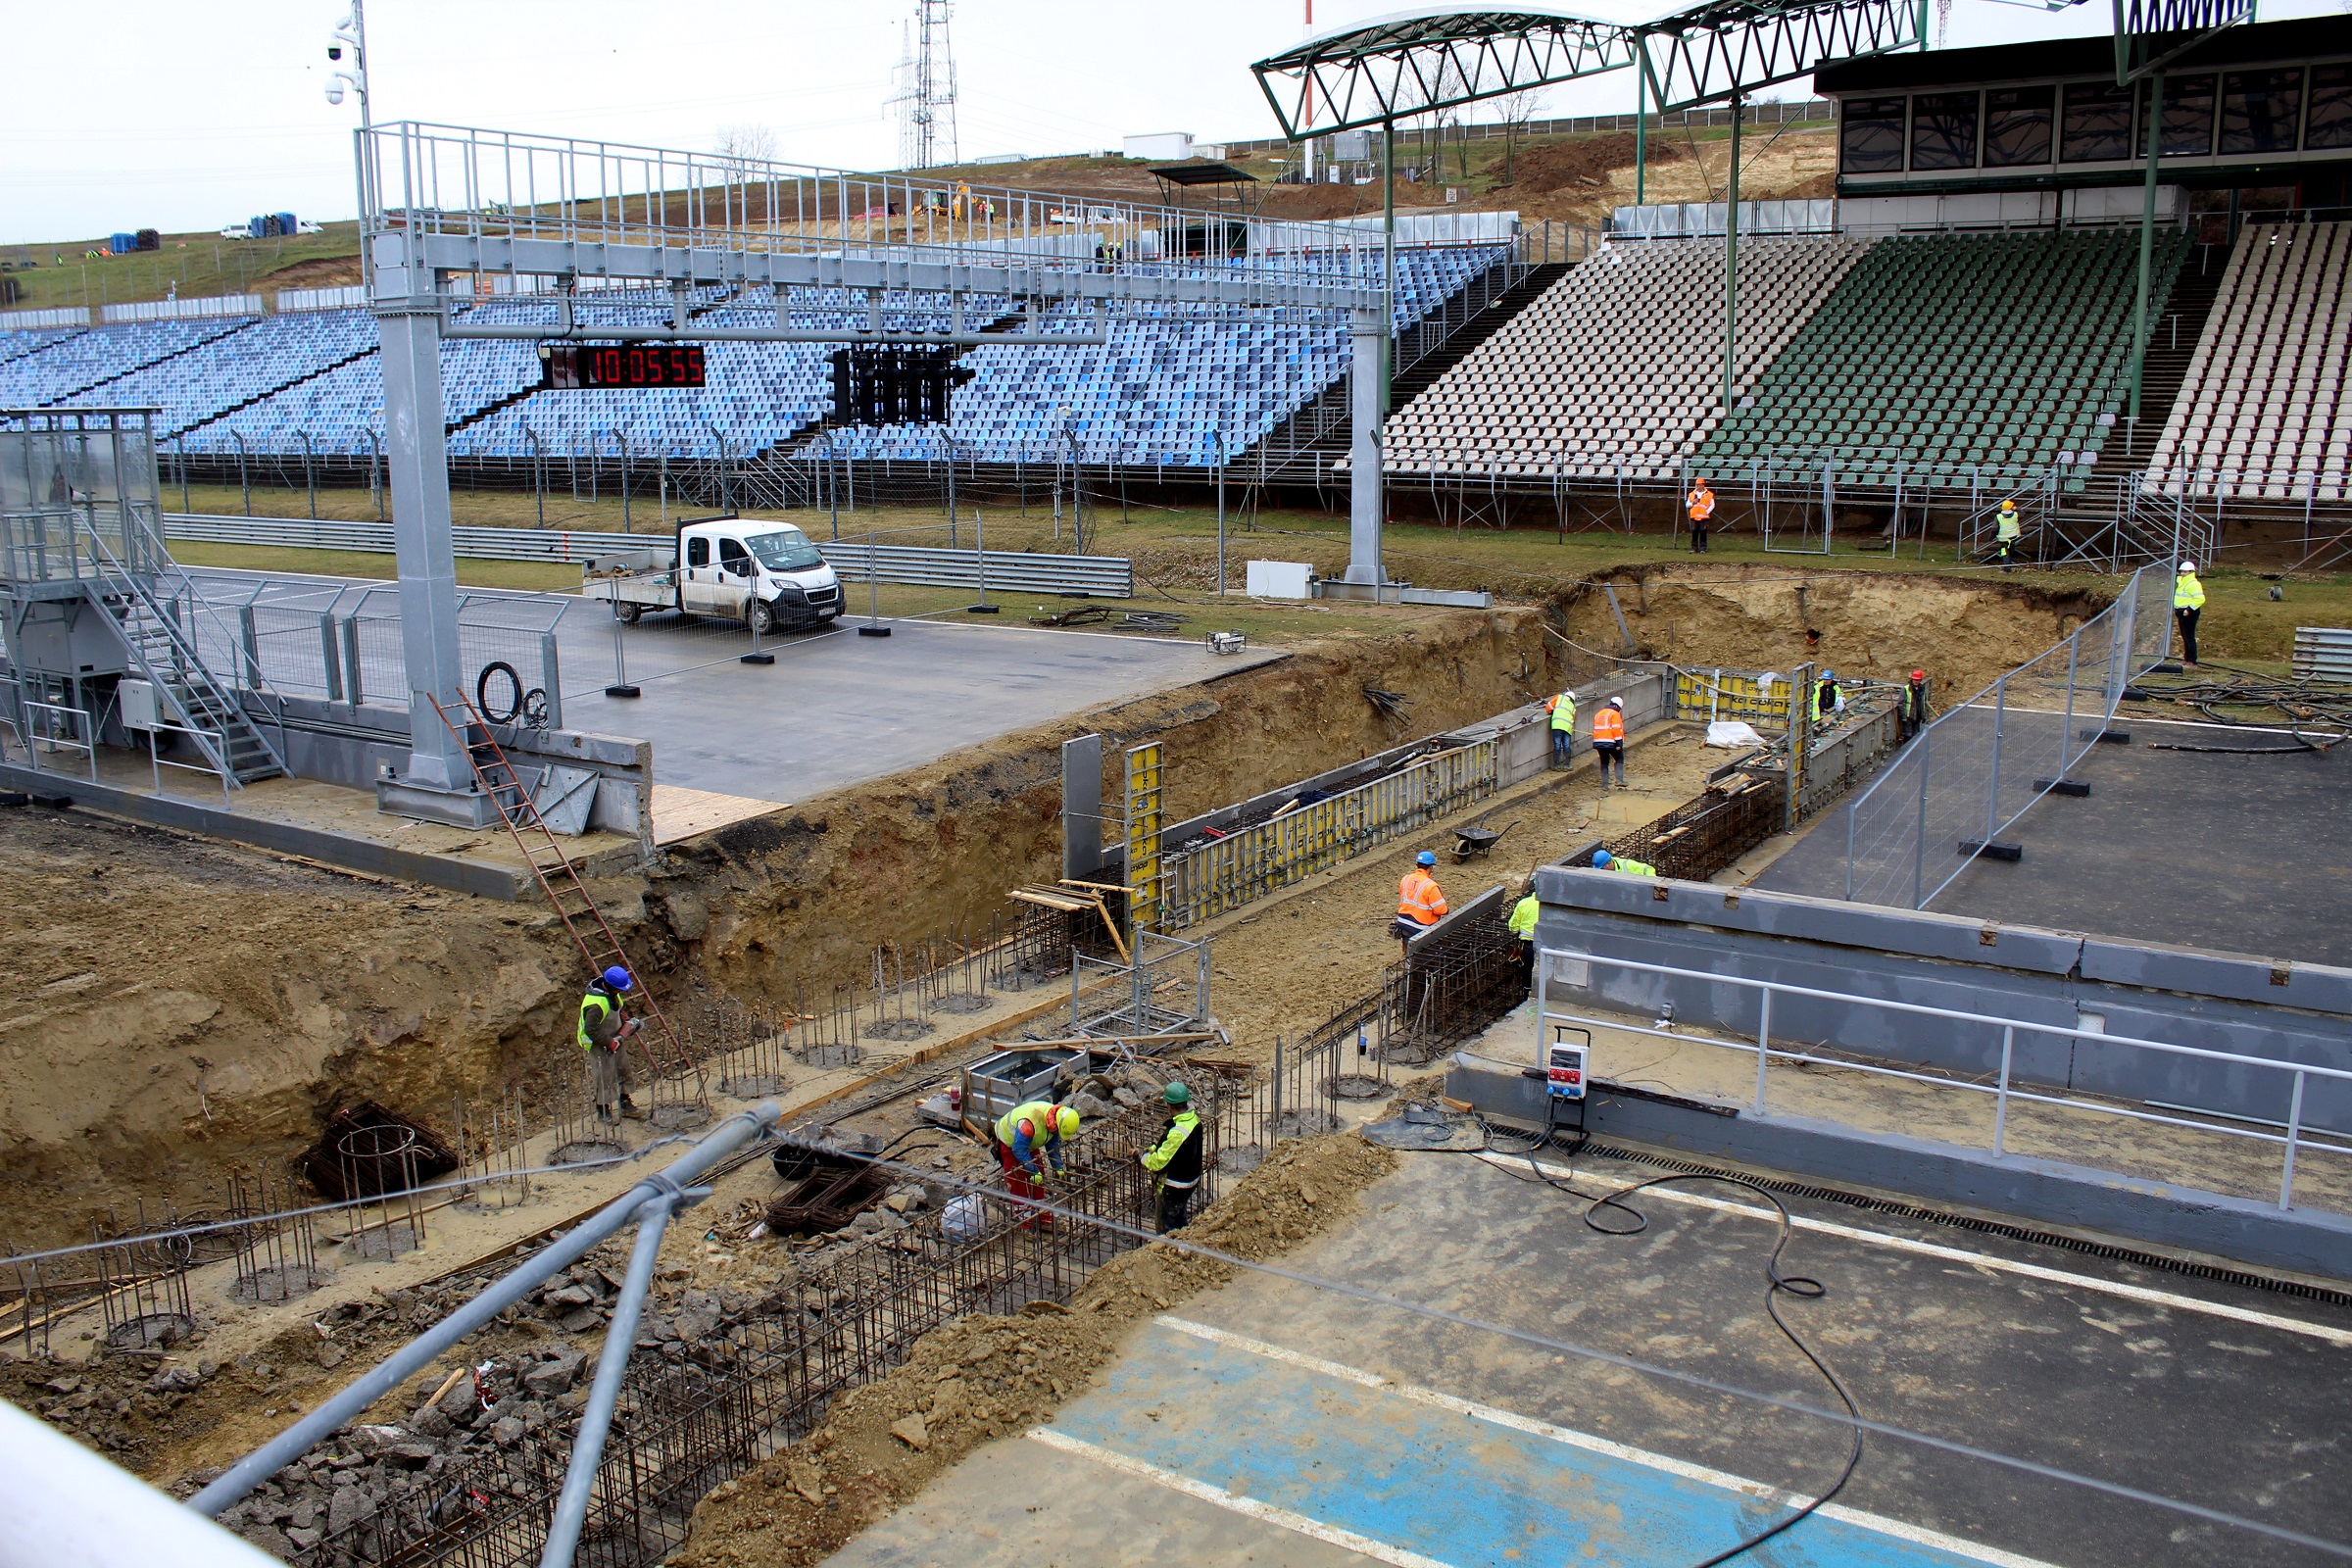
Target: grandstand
{"points": [[2004, 354], [1617, 368], [2262, 413], [1164, 391]]}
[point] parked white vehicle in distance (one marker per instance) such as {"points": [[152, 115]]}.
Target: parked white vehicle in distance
{"points": [[765, 574]]}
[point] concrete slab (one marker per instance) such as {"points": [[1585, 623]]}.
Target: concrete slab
{"points": [[836, 707], [1278, 1422], [2237, 853]]}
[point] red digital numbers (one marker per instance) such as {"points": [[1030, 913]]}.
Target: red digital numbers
{"points": [[633, 365]]}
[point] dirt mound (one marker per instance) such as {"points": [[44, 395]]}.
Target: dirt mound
{"points": [[1881, 625], [1584, 160], [986, 1376], [323, 272]]}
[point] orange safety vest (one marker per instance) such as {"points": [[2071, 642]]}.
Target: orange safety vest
{"points": [[1609, 724], [1418, 899], [1702, 504]]}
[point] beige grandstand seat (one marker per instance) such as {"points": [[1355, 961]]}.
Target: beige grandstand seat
{"points": [[2263, 413], [1617, 368]]}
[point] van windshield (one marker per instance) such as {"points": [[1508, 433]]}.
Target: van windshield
{"points": [[787, 550]]}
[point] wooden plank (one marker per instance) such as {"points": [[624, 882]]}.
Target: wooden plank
{"points": [[680, 814]]}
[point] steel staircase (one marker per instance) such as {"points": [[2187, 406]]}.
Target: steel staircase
{"points": [[155, 630]]}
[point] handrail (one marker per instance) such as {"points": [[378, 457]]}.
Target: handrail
{"points": [[126, 584], [2003, 1090]]}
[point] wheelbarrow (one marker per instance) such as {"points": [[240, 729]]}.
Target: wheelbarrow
{"points": [[1473, 842]]}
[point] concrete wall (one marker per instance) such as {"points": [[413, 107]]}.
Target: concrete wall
{"points": [[2248, 1007], [2049, 1191], [348, 743]]}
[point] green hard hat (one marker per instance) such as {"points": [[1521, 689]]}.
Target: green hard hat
{"points": [[1177, 1095]]}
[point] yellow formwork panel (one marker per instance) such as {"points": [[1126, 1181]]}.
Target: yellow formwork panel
{"points": [[1708, 694], [1145, 817]]}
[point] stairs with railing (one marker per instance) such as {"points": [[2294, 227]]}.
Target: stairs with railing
{"points": [[154, 629]]}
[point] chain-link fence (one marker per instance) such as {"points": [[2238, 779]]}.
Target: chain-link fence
{"points": [[1975, 771]]}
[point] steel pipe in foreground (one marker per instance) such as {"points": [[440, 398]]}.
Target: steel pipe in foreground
{"points": [[508, 1290]]}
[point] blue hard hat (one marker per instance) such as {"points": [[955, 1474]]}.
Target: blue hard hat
{"points": [[1600, 858], [617, 978], [1425, 857], [1829, 674]]}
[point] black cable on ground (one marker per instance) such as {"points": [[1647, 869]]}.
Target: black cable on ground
{"points": [[1802, 1287]]}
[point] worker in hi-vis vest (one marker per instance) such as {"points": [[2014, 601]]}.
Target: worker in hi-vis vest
{"points": [[1419, 903], [601, 1031], [1175, 1160], [1521, 923], [1608, 738], [1701, 503], [1604, 860], [2188, 598], [2007, 529], [1028, 1140], [1562, 708]]}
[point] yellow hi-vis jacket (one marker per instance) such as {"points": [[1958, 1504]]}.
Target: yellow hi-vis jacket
{"points": [[1563, 711], [2006, 526], [1632, 868], [1028, 1128], [2188, 591], [593, 1009], [1522, 921]]}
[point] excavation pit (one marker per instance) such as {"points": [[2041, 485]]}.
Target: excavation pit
{"points": [[899, 1029], [755, 1085], [150, 1331], [587, 1152]]}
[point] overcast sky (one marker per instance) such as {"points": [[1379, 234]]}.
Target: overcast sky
{"points": [[166, 115]]}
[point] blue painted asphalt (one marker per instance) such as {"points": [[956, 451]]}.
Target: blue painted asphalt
{"points": [[1438, 1482]]}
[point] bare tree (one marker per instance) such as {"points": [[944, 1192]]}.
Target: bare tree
{"points": [[1519, 110], [741, 146]]}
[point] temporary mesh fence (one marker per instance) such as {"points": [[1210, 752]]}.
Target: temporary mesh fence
{"points": [[1975, 771]]}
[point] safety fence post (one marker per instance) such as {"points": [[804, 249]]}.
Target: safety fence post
{"points": [[2294, 1134], [2000, 1104], [1763, 1046]]}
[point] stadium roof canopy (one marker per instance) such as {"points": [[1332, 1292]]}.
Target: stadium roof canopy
{"points": [[1443, 56]]}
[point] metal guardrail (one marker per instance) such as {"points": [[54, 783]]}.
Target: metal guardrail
{"points": [[2324, 653], [1105, 576], [2294, 1134], [1199, 884]]}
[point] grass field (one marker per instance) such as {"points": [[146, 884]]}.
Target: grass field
{"points": [[197, 266], [1175, 552]]}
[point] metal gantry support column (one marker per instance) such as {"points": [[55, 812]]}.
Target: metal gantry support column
{"points": [[2147, 245], [408, 316], [1368, 339], [1731, 264]]}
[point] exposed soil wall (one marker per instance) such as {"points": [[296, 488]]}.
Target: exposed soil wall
{"points": [[769, 902], [179, 1005], [1964, 633]]}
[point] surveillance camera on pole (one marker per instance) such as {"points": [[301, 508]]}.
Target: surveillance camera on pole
{"points": [[349, 38]]}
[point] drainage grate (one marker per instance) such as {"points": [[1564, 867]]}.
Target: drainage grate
{"points": [[1990, 1227]]}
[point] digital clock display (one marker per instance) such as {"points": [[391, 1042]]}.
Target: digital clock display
{"points": [[600, 365]]}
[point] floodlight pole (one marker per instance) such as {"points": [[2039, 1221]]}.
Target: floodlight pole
{"points": [[1640, 120]]}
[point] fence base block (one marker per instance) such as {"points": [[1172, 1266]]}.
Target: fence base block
{"points": [[2105, 737], [1994, 849], [622, 690], [2072, 788], [757, 659]]}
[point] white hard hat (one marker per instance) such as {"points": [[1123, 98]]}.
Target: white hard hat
{"points": [[2189, 565], [1616, 702]]}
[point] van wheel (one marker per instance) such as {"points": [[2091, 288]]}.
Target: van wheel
{"points": [[764, 617], [630, 612]]}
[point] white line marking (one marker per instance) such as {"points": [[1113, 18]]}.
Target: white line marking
{"points": [[1235, 1502], [1955, 1255], [1746, 1487]]}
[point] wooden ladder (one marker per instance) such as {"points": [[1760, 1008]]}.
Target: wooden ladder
{"points": [[560, 880]]}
